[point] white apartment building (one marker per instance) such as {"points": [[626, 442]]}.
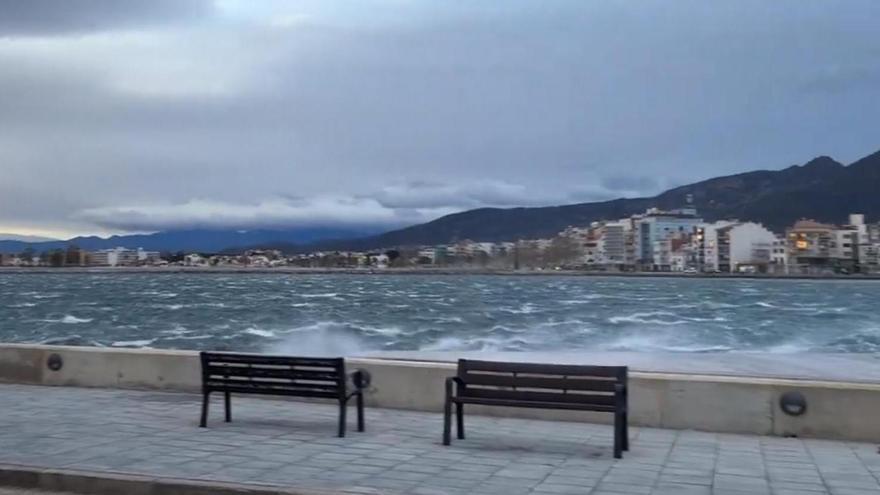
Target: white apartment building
{"points": [[729, 246], [195, 259], [707, 245], [428, 253], [121, 256], [612, 243], [749, 245], [779, 256]]}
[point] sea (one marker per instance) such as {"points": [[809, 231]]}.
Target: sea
{"points": [[351, 313]]}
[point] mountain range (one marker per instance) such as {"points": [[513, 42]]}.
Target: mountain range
{"points": [[822, 189], [193, 240]]}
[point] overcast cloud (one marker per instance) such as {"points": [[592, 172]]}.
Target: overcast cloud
{"points": [[134, 116]]}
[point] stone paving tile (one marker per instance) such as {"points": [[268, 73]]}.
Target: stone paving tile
{"points": [[294, 444]]}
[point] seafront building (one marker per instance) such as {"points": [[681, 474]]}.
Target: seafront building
{"points": [[654, 229], [122, 257]]}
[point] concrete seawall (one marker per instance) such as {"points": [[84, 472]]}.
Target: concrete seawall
{"points": [[835, 410]]}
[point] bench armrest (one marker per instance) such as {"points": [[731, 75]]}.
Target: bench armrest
{"points": [[620, 395], [449, 384]]}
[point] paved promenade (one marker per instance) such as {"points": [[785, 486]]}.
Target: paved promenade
{"points": [[277, 442]]}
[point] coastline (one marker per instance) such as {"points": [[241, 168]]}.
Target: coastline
{"points": [[419, 271]]}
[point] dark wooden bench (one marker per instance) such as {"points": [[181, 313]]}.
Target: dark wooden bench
{"points": [[544, 386], [288, 376]]}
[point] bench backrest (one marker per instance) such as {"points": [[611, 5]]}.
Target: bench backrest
{"points": [[274, 375], [537, 382]]}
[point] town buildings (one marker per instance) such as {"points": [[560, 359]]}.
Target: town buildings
{"points": [[676, 240]]}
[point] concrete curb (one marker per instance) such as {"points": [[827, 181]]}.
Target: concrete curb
{"points": [[112, 483]]}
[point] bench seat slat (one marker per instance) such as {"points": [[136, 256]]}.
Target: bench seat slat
{"points": [[219, 358], [287, 391], [521, 395], [544, 382], [271, 383], [534, 404], [468, 365], [258, 372]]}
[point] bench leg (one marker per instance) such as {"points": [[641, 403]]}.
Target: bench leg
{"points": [[618, 435], [206, 396], [459, 419], [228, 407], [626, 432], [447, 419], [342, 409], [360, 408]]}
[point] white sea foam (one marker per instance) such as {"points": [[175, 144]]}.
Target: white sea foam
{"points": [[322, 295], [177, 330], [69, 319], [390, 331], [73, 319], [132, 343], [650, 317], [524, 309], [192, 337], [483, 344], [23, 305], [324, 338], [443, 319], [583, 299], [259, 332], [788, 348], [656, 343]]}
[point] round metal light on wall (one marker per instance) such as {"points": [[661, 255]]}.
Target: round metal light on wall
{"points": [[54, 362], [793, 403], [361, 378]]}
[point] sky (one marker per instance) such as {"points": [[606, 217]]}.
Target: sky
{"points": [[132, 116]]}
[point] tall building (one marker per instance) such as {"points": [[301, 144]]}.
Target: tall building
{"points": [[659, 225], [706, 243], [612, 243]]}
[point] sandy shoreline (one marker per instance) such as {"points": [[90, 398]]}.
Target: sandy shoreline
{"points": [[413, 271]]}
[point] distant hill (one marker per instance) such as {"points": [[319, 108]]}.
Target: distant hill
{"points": [[822, 189], [24, 238], [195, 240]]}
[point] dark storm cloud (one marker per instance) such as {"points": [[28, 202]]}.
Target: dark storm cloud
{"points": [[42, 17], [166, 114]]}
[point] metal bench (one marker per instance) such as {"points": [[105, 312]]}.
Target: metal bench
{"points": [[544, 386], [281, 375]]}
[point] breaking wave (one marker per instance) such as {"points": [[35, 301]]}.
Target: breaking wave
{"points": [[68, 319]]}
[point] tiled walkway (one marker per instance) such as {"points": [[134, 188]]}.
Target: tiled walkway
{"points": [[294, 444]]}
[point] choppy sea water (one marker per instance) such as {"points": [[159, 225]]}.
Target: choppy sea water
{"points": [[306, 314]]}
